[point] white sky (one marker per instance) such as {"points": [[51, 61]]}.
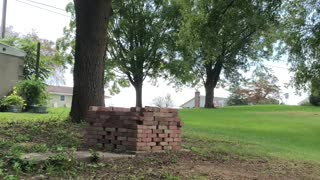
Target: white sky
{"points": [[25, 18]]}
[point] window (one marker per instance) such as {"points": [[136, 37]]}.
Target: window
{"points": [[62, 98]]}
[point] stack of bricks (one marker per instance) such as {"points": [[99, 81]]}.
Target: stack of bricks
{"points": [[138, 130]]}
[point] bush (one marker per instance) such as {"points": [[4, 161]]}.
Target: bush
{"points": [[314, 100], [34, 92], [13, 100]]}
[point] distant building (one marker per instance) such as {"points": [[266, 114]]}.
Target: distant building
{"points": [[199, 101], [11, 68], [304, 101], [61, 96]]}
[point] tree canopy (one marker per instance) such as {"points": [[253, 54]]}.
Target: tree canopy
{"points": [[140, 32], [221, 37], [52, 64]]}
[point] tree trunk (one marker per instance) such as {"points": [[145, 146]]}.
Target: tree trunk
{"points": [[138, 88], [213, 76], [91, 40]]}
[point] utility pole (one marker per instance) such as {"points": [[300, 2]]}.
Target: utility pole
{"points": [[38, 60], [4, 16]]}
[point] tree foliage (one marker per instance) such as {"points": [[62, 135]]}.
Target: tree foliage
{"points": [[140, 32], [52, 64], [220, 37], [301, 38], [261, 88]]}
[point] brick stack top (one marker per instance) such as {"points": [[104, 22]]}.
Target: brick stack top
{"points": [[148, 129]]}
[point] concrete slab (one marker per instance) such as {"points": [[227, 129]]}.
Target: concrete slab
{"points": [[83, 156]]}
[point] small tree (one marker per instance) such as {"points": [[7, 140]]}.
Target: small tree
{"points": [[163, 102], [261, 89], [140, 31]]}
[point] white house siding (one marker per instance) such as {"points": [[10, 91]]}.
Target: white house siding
{"points": [[55, 101]]}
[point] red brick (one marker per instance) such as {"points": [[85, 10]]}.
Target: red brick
{"points": [[148, 114], [157, 139], [152, 109], [152, 135], [147, 131], [173, 127], [146, 139], [177, 139], [163, 114], [162, 135], [157, 131], [167, 131], [162, 127], [174, 135], [169, 139], [151, 144], [152, 127], [164, 143]]}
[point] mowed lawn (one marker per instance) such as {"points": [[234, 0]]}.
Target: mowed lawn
{"points": [[284, 132]]}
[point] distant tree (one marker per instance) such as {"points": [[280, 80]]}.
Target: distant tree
{"points": [[163, 102], [92, 19], [51, 62], [260, 89], [140, 32], [220, 37], [236, 98]]}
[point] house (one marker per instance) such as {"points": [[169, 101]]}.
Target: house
{"points": [[199, 101], [304, 101], [61, 96], [11, 68]]}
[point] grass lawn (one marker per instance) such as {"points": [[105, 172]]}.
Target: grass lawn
{"points": [[257, 142], [285, 132]]}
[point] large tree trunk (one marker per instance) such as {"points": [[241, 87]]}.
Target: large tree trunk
{"points": [[138, 88], [91, 40], [213, 76]]}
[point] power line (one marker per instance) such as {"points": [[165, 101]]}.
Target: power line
{"points": [[46, 5], [42, 8]]}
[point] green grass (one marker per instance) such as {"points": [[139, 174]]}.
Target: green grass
{"points": [[54, 114], [285, 132]]}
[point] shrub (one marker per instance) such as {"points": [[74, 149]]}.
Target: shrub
{"points": [[13, 100], [314, 100], [33, 91]]}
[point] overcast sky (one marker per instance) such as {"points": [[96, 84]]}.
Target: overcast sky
{"points": [[25, 18]]}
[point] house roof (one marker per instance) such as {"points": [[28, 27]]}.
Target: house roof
{"points": [[202, 98], [8, 50], [63, 90]]}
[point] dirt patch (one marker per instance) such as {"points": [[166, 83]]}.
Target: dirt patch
{"points": [[189, 166]]}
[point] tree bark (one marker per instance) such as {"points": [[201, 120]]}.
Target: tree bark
{"points": [[91, 39], [138, 88], [213, 76]]}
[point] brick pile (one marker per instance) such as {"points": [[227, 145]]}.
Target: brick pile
{"points": [[137, 130]]}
